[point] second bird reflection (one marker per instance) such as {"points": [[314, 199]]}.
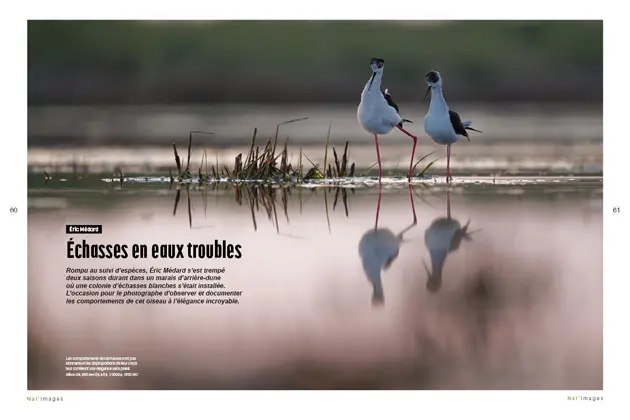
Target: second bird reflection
{"points": [[379, 248], [442, 237]]}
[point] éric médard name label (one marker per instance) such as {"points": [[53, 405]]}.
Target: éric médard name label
{"points": [[84, 229]]}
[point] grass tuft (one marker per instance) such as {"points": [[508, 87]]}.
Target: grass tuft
{"points": [[266, 163], [260, 198]]}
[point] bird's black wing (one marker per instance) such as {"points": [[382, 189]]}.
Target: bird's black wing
{"points": [[458, 126], [390, 102]]}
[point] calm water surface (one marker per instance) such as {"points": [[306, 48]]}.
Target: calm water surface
{"points": [[488, 287], [516, 137]]}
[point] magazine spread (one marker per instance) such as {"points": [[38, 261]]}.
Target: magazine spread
{"points": [[403, 205]]}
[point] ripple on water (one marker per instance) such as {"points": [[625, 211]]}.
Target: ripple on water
{"points": [[387, 182]]}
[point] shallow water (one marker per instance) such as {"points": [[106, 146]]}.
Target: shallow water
{"points": [[518, 304], [517, 138]]}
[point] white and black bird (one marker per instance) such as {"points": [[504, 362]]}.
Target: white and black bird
{"points": [[379, 114], [379, 248], [442, 124], [442, 237]]}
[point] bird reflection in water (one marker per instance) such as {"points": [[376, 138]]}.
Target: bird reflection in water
{"points": [[379, 248], [442, 237]]}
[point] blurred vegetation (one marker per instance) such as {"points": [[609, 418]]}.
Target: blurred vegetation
{"points": [[135, 62]]}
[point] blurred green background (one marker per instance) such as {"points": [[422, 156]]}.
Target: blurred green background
{"points": [[119, 93], [170, 62]]}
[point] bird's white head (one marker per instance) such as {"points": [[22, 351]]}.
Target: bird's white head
{"points": [[433, 79], [377, 65]]}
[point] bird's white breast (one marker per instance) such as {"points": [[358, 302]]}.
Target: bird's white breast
{"points": [[375, 115], [439, 127]]}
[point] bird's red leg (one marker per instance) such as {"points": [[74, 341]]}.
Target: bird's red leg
{"points": [[413, 151], [378, 156]]}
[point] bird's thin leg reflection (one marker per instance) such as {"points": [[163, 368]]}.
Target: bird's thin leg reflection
{"points": [[442, 237], [448, 204], [415, 218], [378, 205], [379, 248]]}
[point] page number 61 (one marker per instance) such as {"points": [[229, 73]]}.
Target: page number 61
{"points": [[616, 210]]}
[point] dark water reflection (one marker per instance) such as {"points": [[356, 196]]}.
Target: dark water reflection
{"points": [[442, 237], [517, 307], [380, 247]]}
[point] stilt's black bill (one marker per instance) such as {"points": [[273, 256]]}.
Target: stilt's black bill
{"points": [[371, 80], [426, 93]]}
